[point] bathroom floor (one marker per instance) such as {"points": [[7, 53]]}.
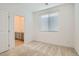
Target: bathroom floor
{"points": [[19, 42]]}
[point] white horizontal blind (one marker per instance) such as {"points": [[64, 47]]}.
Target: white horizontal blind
{"points": [[44, 23], [49, 22], [53, 22]]}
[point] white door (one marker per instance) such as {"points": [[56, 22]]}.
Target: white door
{"points": [[3, 31]]}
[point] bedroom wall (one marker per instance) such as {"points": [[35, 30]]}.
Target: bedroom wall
{"points": [[65, 36], [76, 39]]}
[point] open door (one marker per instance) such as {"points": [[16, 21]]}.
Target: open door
{"points": [[3, 31], [19, 30]]}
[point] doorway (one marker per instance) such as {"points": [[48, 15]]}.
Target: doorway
{"points": [[19, 30]]}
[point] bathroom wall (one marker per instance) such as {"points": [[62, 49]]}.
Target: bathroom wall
{"points": [[19, 24]]}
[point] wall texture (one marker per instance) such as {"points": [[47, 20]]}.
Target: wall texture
{"points": [[65, 35]]}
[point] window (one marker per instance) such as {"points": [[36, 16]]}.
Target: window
{"points": [[49, 22]]}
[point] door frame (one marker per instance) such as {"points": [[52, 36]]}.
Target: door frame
{"points": [[12, 32], [14, 28]]}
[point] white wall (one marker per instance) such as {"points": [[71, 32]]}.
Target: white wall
{"points": [[76, 40], [65, 35]]}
